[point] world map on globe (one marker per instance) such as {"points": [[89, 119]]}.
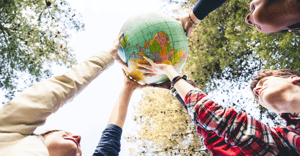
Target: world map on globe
{"points": [[156, 36]]}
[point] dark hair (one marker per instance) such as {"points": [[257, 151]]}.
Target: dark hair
{"points": [[294, 26], [297, 25], [284, 73]]}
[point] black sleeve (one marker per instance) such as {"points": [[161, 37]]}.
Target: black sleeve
{"points": [[204, 7], [110, 142]]}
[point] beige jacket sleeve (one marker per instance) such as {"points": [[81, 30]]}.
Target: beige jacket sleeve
{"points": [[29, 109]]}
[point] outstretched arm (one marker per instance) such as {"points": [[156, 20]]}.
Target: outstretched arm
{"points": [[200, 11], [119, 112], [109, 143], [237, 128], [29, 109], [214, 143]]}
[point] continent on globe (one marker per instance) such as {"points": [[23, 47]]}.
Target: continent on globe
{"points": [[156, 36]]}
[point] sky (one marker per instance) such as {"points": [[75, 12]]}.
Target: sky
{"points": [[87, 115]]}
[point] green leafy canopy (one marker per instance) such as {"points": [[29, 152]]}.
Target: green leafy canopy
{"points": [[33, 35], [223, 46]]}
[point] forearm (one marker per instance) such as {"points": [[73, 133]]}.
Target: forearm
{"points": [[119, 112], [30, 108], [212, 141], [234, 127], [237, 128], [181, 86]]}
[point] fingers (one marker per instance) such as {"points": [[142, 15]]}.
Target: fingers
{"points": [[189, 29], [187, 33], [145, 66], [180, 20], [124, 73], [149, 60], [117, 40], [127, 77], [149, 74], [120, 36], [145, 70]]}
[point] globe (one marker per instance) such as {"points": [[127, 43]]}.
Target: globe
{"points": [[156, 36]]}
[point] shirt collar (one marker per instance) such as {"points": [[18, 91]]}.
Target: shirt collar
{"points": [[291, 119]]}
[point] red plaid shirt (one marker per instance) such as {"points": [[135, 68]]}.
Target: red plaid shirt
{"points": [[239, 129], [217, 145]]}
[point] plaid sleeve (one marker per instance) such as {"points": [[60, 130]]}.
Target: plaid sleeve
{"points": [[253, 137]]}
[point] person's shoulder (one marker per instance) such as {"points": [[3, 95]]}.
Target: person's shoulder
{"points": [[18, 144]]}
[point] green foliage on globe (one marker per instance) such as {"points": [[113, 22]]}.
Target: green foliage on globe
{"points": [[156, 36]]}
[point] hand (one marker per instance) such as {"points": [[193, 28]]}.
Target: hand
{"points": [[153, 68], [130, 83], [167, 84], [114, 50], [186, 23], [164, 85]]}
